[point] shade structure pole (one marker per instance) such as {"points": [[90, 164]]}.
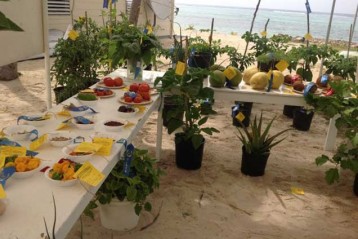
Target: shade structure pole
{"points": [[46, 53], [328, 33], [351, 32]]}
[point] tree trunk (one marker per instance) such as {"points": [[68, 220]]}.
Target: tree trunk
{"points": [[135, 8], [8, 72]]}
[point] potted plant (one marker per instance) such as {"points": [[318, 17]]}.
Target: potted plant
{"points": [[202, 53], [339, 65], [256, 147], [343, 103], [132, 46], [122, 196], [189, 143], [76, 63]]}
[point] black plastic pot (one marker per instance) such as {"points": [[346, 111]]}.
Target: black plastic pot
{"points": [[267, 66], [302, 119], [200, 60], [289, 109], [253, 164], [186, 156], [170, 105], [355, 185], [60, 94], [243, 107]]}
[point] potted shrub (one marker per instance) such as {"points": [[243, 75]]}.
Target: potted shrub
{"points": [[202, 53], [339, 65], [76, 63], [343, 103], [132, 46], [122, 197], [256, 147], [189, 143]]}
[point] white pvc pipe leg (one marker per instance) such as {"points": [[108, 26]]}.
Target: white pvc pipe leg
{"points": [[330, 143]]}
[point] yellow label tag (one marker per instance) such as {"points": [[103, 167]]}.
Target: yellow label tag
{"points": [[10, 151], [38, 142], [87, 147], [128, 125], [64, 113], [263, 33], [150, 29], [308, 37], [240, 117], [230, 72], [141, 108], [62, 126], [2, 192], [180, 68], [106, 143], [282, 65], [298, 191], [125, 88], [89, 174], [87, 91]]}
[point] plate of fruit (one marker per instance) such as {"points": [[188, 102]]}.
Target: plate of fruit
{"points": [[25, 166], [61, 173], [104, 92], [138, 94], [113, 83]]}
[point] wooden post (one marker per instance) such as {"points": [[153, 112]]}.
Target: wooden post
{"points": [[350, 40], [211, 32], [135, 8]]}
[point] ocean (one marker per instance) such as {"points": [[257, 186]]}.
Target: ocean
{"points": [[238, 20]]}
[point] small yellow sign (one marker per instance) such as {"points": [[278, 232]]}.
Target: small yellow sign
{"points": [[128, 125], [64, 113], [2, 192], [149, 29], [298, 191], [263, 33], [308, 37], [62, 126], [230, 72], [89, 174], [240, 117], [141, 108], [282, 65], [38, 142], [7, 151], [106, 143], [180, 68], [87, 147]]}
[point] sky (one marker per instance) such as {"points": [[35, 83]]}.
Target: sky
{"points": [[342, 6]]}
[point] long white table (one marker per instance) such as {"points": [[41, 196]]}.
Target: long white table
{"points": [[29, 200]]}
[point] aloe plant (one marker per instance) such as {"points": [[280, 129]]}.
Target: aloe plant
{"points": [[258, 140]]}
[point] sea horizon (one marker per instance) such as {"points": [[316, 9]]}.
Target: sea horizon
{"points": [[237, 20]]}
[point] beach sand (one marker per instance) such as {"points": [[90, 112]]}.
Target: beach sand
{"points": [[218, 201]]}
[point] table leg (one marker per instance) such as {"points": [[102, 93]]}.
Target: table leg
{"points": [[330, 142], [158, 149]]}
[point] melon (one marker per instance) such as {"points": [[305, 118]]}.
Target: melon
{"points": [[217, 79], [278, 79], [259, 80], [248, 73]]}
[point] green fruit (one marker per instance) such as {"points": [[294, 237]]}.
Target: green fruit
{"points": [[217, 67], [237, 78], [217, 79], [86, 96], [259, 81]]}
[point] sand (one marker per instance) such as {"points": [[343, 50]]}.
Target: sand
{"points": [[218, 201]]}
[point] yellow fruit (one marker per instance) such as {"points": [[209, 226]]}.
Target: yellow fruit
{"points": [[248, 73], [237, 78], [278, 79], [259, 81]]}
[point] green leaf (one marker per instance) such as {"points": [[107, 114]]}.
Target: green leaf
{"points": [[197, 140], [321, 160], [332, 175], [148, 206], [137, 209], [203, 121], [131, 193]]}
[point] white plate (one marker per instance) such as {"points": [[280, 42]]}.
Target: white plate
{"points": [[127, 115], [85, 126], [19, 132], [60, 143], [27, 174], [114, 128], [59, 183], [75, 158]]}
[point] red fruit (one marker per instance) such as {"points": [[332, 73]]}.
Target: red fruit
{"points": [[128, 99], [108, 81], [134, 87], [118, 81], [138, 99], [296, 78], [100, 93], [145, 95], [144, 87]]}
